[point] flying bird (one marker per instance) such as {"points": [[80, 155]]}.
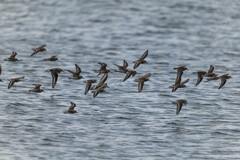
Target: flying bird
{"points": [[179, 105], [123, 68], [12, 57], [54, 73], [71, 108], [53, 58], [128, 74], [224, 80], [13, 80], [36, 88], [141, 81], [89, 84], [39, 49], [141, 60], [76, 74]]}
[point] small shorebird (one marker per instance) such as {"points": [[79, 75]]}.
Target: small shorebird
{"points": [[200, 74], [141, 81], [12, 57], [89, 84], [101, 82], [39, 49], [54, 73], [71, 108], [53, 58], [179, 85], [210, 72], [128, 74], [76, 74], [180, 70], [103, 68], [100, 89], [13, 80], [36, 88], [141, 60], [179, 105], [123, 68], [224, 80]]}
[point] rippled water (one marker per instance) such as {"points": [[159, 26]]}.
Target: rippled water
{"points": [[120, 124]]}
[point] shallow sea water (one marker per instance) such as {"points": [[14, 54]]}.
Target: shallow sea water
{"points": [[121, 123]]}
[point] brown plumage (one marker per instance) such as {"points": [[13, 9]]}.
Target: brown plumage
{"points": [[12, 57], [179, 105], [13, 80], [71, 108], [224, 80], [141, 81], [36, 88], [210, 72], [179, 85], [100, 89], [89, 84], [200, 74], [39, 49], [141, 60], [180, 70], [76, 74], [128, 74], [101, 82], [103, 68], [54, 73], [53, 58], [123, 68]]}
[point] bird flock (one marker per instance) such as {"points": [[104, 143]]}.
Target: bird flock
{"points": [[102, 85]]}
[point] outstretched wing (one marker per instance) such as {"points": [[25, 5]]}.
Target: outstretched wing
{"points": [[179, 107], [211, 69], [125, 64], [145, 54], [140, 85], [78, 69], [223, 81], [54, 78], [200, 77]]}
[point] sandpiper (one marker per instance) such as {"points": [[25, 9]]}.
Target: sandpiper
{"points": [[103, 68], [36, 88], [71, 108], [180, 70], [53, 58], [141, 60], [141, 81], [39, 49], [128, 74], [100, 89], [89, 84], [224, 80], [179, 105], [13, 80], [54, 73], [123, 68], [12, 57], [200, 74], [76, 74], [101, 82], [179, 85]]}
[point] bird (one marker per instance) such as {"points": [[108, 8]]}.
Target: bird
{"points": [[210, 72], [224, 80], [39, 49], [36, 88], [128, 74], [101, 82], [100, 89], [13, 80], [76, 74], [141, 60], [179, 105], [179, 85], [53, 58], [54, 73], [123, 68], [103, 68], [200, 74], [141, 81], [12, 57], [71, 108], [180, 70], [89, 84]]}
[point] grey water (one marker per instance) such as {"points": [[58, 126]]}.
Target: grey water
{"points": [[120, 123]]}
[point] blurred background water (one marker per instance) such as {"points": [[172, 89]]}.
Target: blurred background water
{"points": [[120, 124]]}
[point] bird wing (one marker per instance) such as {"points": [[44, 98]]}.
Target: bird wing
{"points": [[78, 69], [88, 86], [136, 64], [211, 69], [73, 105], [185, 81], [54, 78], [200, 77], [145, 54], [179, 107], [179, 77], [147, 75], [127, 76], [35, 52], [140, 85], [10, 84], [125, 64], [223, 81]]}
